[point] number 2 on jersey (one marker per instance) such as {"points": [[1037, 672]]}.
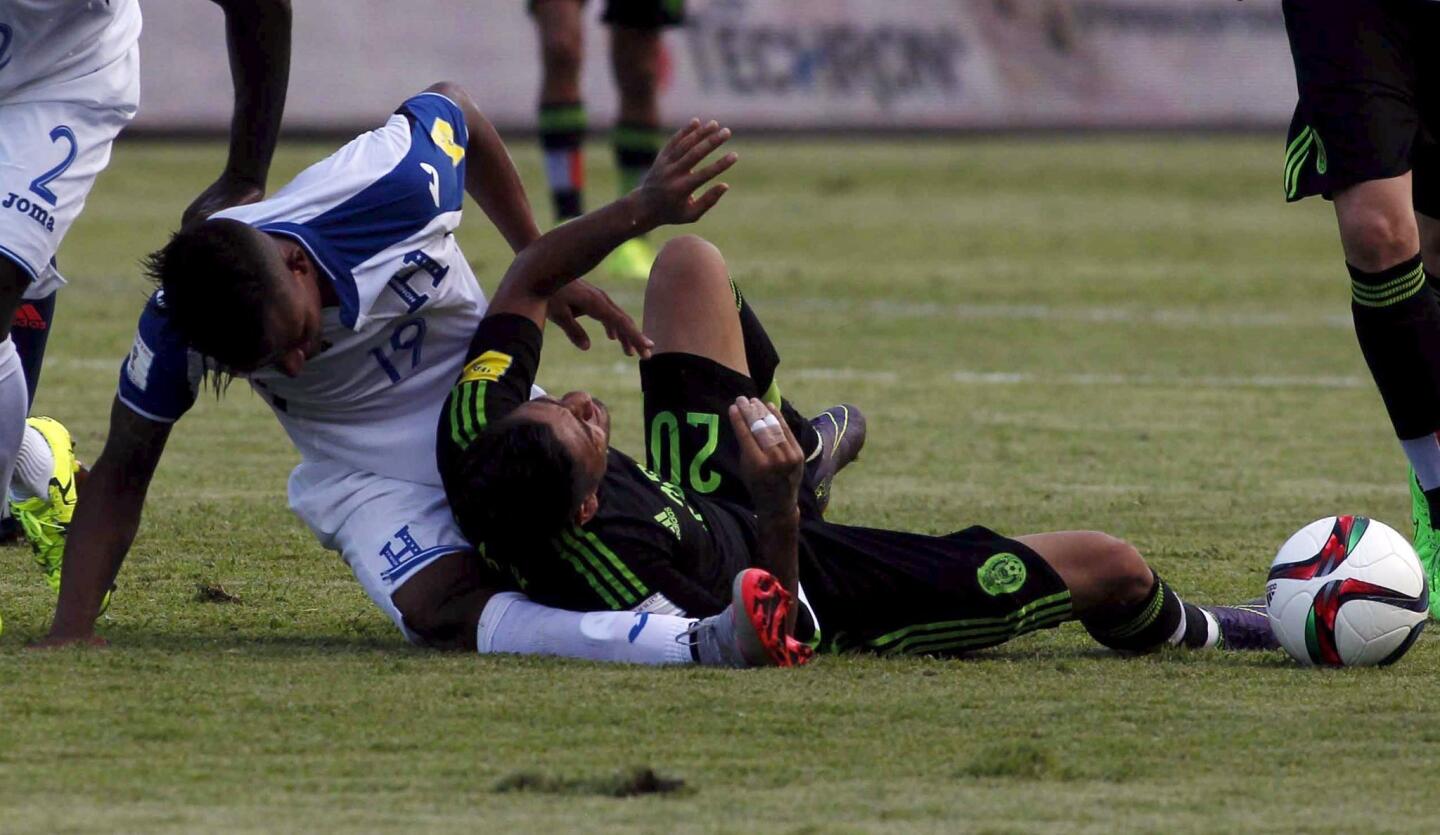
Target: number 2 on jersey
{"points": [[39, 185], [665, 428], [407, 335]]}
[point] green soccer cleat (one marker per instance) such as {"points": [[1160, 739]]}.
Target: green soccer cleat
{"points": [[631, 261], [1426, 540], [46, 519]]}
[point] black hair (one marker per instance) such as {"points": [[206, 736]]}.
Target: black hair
{"points": [[216, 277], [516, 484]]}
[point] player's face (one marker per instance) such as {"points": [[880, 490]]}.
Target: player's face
{"points": [[294, 324], [582, 425]]}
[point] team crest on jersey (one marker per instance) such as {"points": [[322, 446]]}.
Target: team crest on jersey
{"points": [[442, 133], [489, 366]]}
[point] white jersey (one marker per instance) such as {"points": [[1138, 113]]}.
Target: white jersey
{"points": [[377, 219], [60, 50]]}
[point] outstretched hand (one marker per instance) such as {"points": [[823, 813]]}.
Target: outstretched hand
{"points": [[665, 194], [771, 461], [580, 298]]}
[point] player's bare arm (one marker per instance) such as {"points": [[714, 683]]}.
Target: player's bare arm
{"points": [[107, 516], [665, 196], [257, 35], [771, 465], [492, 181]]}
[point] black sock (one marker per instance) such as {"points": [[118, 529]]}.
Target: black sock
{"points": [[30, 329], [562, 135], [1398, 328], [1150, 623], [636, 147]]}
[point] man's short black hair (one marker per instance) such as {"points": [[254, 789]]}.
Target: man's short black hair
{"points": [[516, 484], [217, 279]]}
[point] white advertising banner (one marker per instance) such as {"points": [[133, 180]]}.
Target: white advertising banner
{"points": [[784, 64]]}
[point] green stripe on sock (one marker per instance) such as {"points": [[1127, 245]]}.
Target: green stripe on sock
{"points": [[1143, 620], [1391, 292], [636, 138], [562, 118]]}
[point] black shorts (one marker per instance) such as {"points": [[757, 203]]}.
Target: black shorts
{"points": [[688, 439], [640, 14], [893, 592], [870, 590], [1368, 104]]}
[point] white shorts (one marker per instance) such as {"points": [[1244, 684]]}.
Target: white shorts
{"points": [[385, 529], [50, 155]]}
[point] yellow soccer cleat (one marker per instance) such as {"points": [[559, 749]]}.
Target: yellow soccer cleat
{"points": [[631, 260], [46, 519]]}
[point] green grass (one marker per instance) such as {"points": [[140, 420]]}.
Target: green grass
{"points": [[1136, 336]]}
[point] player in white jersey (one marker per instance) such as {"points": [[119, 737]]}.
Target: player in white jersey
{"points": [[69, 83], [346, 302]]}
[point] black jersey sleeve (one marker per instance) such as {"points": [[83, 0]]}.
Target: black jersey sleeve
{"points": [[499, 371], [637, 565]]}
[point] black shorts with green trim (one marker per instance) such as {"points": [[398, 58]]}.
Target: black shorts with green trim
{"points": [[1368, 106], [688, 438], [898, 593], [639, 14]]}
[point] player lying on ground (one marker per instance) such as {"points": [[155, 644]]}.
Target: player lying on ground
{"points": [[347, 303], [580, 524]]}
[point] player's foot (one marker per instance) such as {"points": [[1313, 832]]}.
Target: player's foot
{"points": [[631, 261], [46, 519], [1246, 626], [842, 435], [751, 630], [1426, 540]]}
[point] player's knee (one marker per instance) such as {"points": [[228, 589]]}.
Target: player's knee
{"points": [[687, 265], [1376, 238], [1123, 574]]}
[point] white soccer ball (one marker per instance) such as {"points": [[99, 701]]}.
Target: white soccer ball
{"points": [[1346, 591]]}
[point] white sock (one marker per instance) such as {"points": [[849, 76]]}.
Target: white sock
{"points": [[1424, 455], [511, 622], [34, 464], [14, 404]]}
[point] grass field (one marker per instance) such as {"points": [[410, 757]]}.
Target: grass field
{"points": [[1132, 335]]}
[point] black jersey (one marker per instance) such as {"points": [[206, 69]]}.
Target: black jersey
{"points": [[652, 545]]}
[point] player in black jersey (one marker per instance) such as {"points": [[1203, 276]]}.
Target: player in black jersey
{"points": [[537, 487], [1365, 135]]}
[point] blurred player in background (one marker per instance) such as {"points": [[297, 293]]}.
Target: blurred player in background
{"points": [[1364, 135], [69, 83], [346, 302], [635, 59]]}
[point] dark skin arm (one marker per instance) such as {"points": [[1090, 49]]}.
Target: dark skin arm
{"points": [[551, 263], [257, 34], [107, 515], [492, 181]]}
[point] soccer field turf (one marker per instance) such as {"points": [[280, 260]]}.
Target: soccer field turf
{"points": [[1130, 335]]}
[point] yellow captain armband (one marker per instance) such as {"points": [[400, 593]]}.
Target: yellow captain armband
{"points": [[489, 367], [442, 133]]}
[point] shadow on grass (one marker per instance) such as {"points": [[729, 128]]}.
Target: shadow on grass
{"points": [[632, 783]]}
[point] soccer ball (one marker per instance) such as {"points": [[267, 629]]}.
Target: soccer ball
{"points": [[1346, 591]]}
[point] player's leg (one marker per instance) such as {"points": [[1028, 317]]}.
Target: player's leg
{"points": [[709, 349], [635, 60], [403, 546], [1126, 606], [562, 110], [1355, 137], [894, 592]]}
